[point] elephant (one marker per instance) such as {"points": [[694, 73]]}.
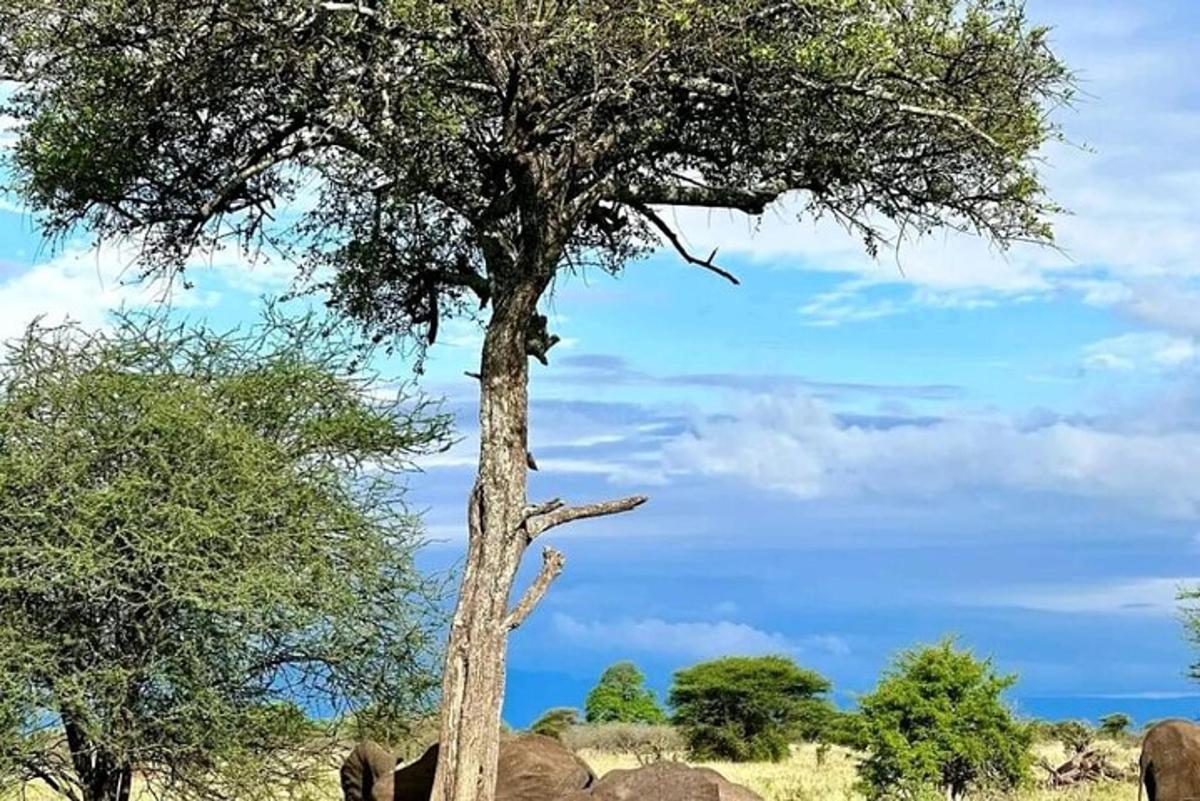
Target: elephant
{"points": [[532, 767], [366, 773], [1169, 766], [665, 781]]}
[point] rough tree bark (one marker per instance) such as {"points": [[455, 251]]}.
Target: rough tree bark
{"points": [[501, 525], [101, 776]]}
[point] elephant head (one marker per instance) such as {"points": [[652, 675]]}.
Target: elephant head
{"points": [[366, 773]]}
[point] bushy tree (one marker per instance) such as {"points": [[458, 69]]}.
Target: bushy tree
{"points": [[555, 722], [1075, 735], [847, 729], [746, 709], [1115, 725], [202, 538], [468, 153], [621, 696], [936, 725]]}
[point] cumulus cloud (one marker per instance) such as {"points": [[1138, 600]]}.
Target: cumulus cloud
{"points": [[1141, 350], [692, 640], [1169, 305], [798, 445], [81, 285]]}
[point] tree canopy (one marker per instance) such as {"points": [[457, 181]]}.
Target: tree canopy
{"points": [[937, 725], [621, 696], [202, 543], [458, 147], [1115, 724], [744, 709]]}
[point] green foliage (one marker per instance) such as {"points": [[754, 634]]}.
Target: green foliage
{"points": [[924, 114], [847, 729], [1115, 725], [622, 697], [1075, 735], [936, 724], [555, 722], [201, 535], [746, 708]]}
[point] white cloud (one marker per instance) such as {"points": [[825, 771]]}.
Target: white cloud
{"points": [[1165, 304], [80, 285], [798, 445], [693, 640], [1144, 596], [1141, 350]]}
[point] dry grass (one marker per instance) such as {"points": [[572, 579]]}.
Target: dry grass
{"points": [[799, 778]]}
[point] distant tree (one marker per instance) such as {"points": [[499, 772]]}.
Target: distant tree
{"points": [[201, 537], [1115, 725], [621, 696], [1075, 735], [936, 723], [464, 154], [745, 709], [555, 722], [847, 729]]}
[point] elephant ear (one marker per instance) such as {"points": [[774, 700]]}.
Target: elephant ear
{"points": [[363, 767]]}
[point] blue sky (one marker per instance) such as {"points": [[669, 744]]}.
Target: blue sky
{"points": [[846, 457]]}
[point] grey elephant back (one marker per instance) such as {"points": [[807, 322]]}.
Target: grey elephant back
{"points": [[665, 781], [531, 768], [1169, 766], [366, 773]]}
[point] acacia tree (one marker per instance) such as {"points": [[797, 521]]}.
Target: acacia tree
{"points": [[464, 153], [621, 696], [201, 540], [747, 708], [937, 724]]}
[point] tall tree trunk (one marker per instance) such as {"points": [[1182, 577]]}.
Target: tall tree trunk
{"points": [[501, 525], [473, 684], [102, 777]]}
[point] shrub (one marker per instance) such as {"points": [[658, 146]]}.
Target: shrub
{"points": [[622, 697], [936, 724], [743, 709], [1075, 735], [646, 743], [1115, 725], [847, 729], [555, 722]]}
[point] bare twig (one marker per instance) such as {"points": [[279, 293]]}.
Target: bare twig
{"points": [[658, 222], [552, 565]]}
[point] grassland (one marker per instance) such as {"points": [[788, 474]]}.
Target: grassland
{"points": [[799, 778]]}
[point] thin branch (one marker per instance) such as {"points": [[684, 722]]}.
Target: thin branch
{"points": [[658, 222], [540, 523], [552, 565]]}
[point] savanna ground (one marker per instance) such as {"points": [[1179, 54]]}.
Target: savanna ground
{"points": [[799, 778]]}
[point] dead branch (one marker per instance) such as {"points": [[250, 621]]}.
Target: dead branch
{"points": [[552, 565], [540, 522]]}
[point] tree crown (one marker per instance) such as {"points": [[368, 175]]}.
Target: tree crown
{"points": [[202, 540], [461, 148], [937, 721], [746, 708], [621, 696]]}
